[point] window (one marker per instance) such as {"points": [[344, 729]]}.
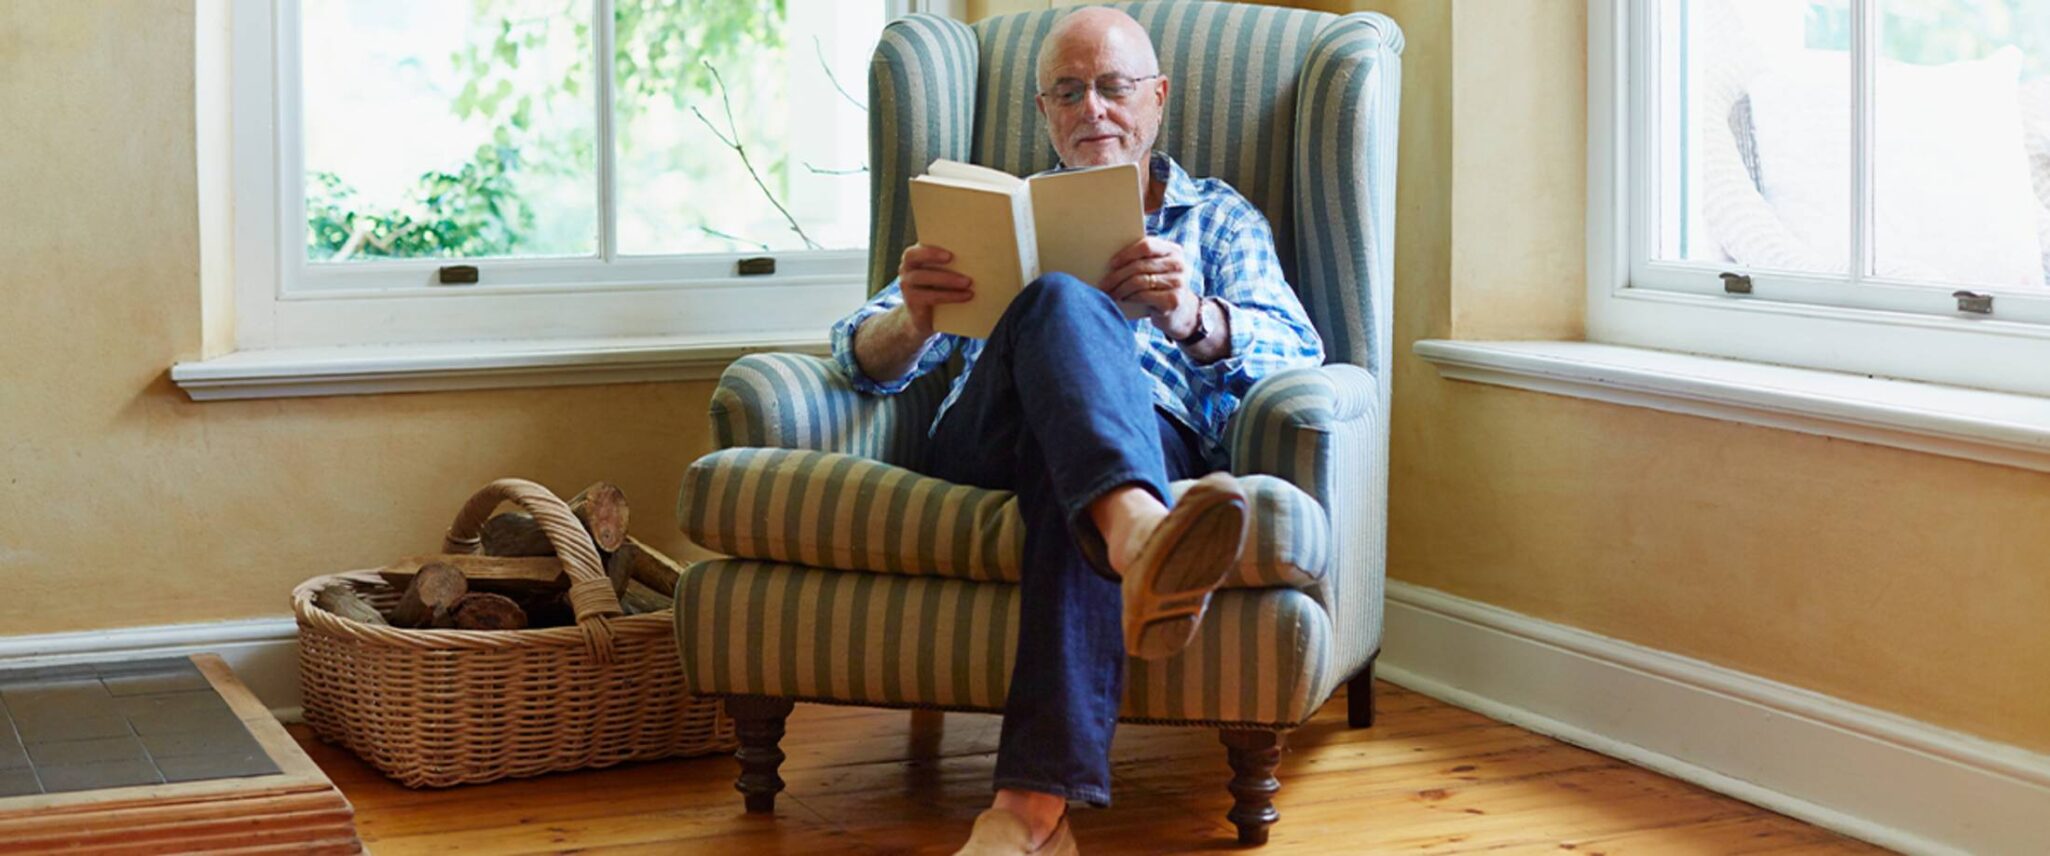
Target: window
{"points": [[1856, 185], [411, 172]]}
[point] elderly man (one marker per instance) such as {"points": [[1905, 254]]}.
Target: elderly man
{"points": [[1088, 417]]}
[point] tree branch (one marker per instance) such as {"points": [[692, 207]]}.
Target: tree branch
{"points": [[734, 143], [820, 51], [730, 237]]}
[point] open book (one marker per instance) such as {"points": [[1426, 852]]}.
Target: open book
{"points": [[1005, 231]]}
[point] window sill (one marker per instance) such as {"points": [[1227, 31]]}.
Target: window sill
{"points": [[1993, 427], [370, 370]]}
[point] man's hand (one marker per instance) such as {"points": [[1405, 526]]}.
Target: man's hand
{"points": [[925, 284], [1154, 273], [887, 346]]}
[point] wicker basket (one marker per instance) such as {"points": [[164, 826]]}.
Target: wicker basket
{"points": [[432, 708]]}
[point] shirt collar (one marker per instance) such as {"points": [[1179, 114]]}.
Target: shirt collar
{"points": [[1181, 190]]}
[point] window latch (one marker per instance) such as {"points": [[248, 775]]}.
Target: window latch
{"points": [[1974, 302], [1736, 283], [457, 274]]}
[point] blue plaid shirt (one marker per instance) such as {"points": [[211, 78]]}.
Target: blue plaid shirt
{"points": [[1232, 250]]}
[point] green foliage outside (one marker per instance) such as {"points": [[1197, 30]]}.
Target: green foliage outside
{"points": [[1930, 32], [663, 49]]}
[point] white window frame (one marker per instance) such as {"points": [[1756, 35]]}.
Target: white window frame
{"points": [[1871, 327], [676, 298]]}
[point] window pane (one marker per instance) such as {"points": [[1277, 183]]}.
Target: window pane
{"points": [[1959, 111], [448, 129], [742, 124], [1754, 131]]}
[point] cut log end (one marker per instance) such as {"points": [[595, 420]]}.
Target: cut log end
{"points": [[429, 597], [602, 509], [487, 611]]}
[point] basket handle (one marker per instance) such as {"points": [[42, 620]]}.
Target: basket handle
{"points": [[590, 591]]}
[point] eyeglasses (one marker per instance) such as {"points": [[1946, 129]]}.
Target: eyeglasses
{"points": [[1068, 92]]}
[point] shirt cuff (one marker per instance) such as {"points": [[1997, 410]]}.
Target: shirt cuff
{"points": [[860, 379], [1240, 326]]}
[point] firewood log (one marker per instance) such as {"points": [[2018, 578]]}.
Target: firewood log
{"points": [[619, 566], [430, 595], [514, 534], [502, 574], [487, 611], [341, 601], [602, 509], [651, 568], [641, 600]]}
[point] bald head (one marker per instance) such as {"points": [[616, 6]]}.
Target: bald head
{"points": [[1096, 31], [1117, 118]]}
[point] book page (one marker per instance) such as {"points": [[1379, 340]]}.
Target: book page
{"points": [[970, 173], [1084, 217], [990, 234]]}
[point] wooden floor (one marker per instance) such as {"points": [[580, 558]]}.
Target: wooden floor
{"points": [[1427, 778]]}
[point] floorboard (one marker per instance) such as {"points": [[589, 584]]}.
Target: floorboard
{"points": [[1427, 778]]}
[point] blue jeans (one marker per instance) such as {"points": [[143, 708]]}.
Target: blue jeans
{"points": [[1059, 410]]}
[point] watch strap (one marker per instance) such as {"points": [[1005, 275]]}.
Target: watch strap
{"points": [[1202, 330]]}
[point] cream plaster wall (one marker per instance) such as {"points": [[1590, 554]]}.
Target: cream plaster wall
{"points": [[121, 502], [1903, 581], [1907, 582]]}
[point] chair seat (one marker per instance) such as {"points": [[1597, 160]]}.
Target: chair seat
{"points": [[774, 629], [843, 512]]}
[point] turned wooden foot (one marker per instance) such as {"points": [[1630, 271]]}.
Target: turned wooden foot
{"points": [[1359, 696], [758, 721], [1253, 756]]}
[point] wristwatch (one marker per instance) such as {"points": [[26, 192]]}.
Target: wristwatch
{"points": [[1202, 330]]}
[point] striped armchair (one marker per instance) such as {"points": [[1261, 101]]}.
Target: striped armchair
{"points": [[854, 580]]}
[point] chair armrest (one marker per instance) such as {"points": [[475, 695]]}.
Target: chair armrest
{"points": [[1325, 429], [1295, 425], [797, 401]]}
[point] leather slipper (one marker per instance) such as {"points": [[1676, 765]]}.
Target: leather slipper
{"points": [[1186, 557]]}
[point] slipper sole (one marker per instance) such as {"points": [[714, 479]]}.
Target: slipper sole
{"points": [[1180, 566]]}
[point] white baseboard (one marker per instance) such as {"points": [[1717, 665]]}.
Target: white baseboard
{"points": [[264, 652], [1880, 777]]}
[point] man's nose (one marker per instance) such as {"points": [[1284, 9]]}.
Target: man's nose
{"points": [[1094, 105]]}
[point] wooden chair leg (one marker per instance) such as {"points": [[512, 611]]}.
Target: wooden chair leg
{"points": [[1359, 696], [758, 721], [1253, 756], [928, 729]]}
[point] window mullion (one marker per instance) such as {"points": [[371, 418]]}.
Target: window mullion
{"points": [[608, 185], [1864, 71]]}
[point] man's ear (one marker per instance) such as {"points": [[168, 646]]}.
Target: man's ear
{"points": [[1163, 81], [1039, 103]]}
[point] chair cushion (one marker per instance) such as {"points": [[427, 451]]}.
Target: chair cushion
{"points": [[768, 628], [830, 510]]}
